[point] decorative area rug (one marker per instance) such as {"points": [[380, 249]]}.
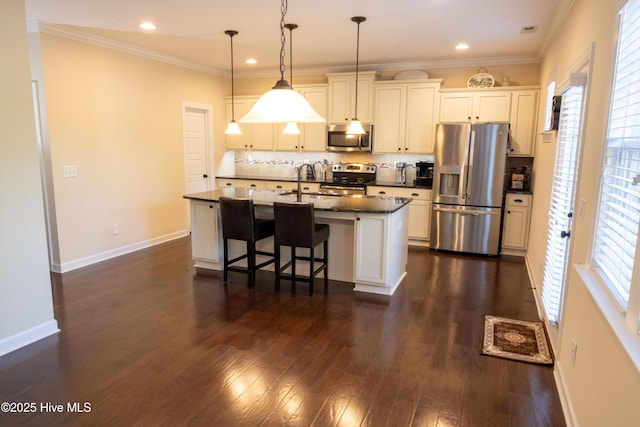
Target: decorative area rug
{"points": [[517, 340]]}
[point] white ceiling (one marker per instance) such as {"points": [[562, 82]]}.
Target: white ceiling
{"points": [[411, 34]]}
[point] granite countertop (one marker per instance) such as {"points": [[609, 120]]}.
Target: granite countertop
{"points": [[318, 181], [321, 201]]}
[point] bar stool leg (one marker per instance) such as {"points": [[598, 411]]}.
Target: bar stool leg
{"points": [[326, 263], [311, 269], [293, 267], [251, 250], [225, 274], [276, 249]]}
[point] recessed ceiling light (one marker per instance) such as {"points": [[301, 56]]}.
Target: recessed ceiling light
{"points": [[462, 46], [147, 26], [251, 61]]}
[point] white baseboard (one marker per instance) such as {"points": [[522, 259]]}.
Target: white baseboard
{"points": [[103, 256], [565, 401], [29, 336]]}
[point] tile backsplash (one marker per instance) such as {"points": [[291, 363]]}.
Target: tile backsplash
{"points": [[274, 164]]}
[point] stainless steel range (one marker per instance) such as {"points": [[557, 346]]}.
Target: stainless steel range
{"points": [[350, 178]]}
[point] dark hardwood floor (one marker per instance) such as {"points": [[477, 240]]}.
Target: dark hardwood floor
{"points": [[146, 341]]}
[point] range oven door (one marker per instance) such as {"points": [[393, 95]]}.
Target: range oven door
{"points": [[343, 189]]}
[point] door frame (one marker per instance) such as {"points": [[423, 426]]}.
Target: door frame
{"points": [[209, 155], [582, 69]]}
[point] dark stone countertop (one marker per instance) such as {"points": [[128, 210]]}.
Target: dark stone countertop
{"points": [[321, 201]]}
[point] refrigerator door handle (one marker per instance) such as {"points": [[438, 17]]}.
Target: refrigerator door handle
{"points": [[467, 211], [458, 211], [472, 146]]}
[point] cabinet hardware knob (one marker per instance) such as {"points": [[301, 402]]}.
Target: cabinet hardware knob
{"points": [[205, 176], [210, 206], [252, 185], [382, 192], [278, 187], [508, 212], [517, 200], [229, 184], [415, 194]]}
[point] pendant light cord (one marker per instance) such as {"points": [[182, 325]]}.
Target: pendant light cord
{"points": [[357, 20], [357, 62], [283, 10], [232, 33], [233, 107]]}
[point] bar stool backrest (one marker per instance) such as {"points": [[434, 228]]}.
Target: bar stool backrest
{"points": [[238, 221], [295, 224]]}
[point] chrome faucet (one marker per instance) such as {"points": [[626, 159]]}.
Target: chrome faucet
{"points": [[311, 175]]}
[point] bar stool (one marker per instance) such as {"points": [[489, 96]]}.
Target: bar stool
{"points": [[239, 223], [296, 227]]}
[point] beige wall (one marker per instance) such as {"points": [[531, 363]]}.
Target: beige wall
{"points": [[603, 387], [26, 307], [117, 117]]}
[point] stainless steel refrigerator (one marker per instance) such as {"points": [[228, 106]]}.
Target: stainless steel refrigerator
{"points": [[468, 187]]}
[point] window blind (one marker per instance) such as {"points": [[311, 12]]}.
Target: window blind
{"points": [[561, 204], [619, 204]]}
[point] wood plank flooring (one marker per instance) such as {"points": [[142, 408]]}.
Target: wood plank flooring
{"points": [[147, 341]]}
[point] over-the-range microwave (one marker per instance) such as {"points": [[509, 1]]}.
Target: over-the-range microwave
{"points": [[339, 140]]}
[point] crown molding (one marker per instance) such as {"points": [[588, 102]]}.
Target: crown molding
{"points": [[560, 16], [92, 39], [69, 33]]}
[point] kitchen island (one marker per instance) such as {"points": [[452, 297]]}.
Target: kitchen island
{"points": [[367, 242]]}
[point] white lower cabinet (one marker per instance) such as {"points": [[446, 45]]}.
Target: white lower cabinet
{"points": [[515, 229], [419, 208], [204, 231]]}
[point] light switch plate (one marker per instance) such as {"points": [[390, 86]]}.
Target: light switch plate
{"points": [[69, 171]]}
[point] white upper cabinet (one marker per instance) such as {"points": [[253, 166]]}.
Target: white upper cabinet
{"points": [[405, 116], [312, 135], [342, 102], [524, 108], [517, 106], [255, 136], [475, 106]]}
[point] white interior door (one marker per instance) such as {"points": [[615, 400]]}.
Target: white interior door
{"points": [[562, 202], [197, 146]]}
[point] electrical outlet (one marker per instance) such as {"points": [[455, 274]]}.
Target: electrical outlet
{"points": [[115, 229], [574, 351], [69, 171]]}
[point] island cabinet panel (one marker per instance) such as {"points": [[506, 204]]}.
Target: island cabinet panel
{"points": [[204, 231], [419, 209], [371, 241], [380, 251]]}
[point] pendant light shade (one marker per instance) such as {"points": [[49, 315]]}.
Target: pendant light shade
{"points": [[282, 104], [291, 129], [355, 127], [232, 128]]}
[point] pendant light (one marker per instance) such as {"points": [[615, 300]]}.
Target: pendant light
{"points": [[291, 128], [282, 104], [232, 128], [355, 127]]}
